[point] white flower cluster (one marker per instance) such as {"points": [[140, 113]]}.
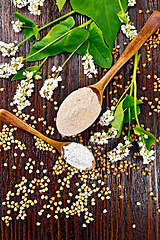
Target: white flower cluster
{"points": [[6, 70], [102, 138], [89, 67], [24, 90], [120, 152], [50, 84], [17, 26], [147, 155], [33, 5], [20, 3], [8, 49], [131, 3], [129, 30], [107, 117]]}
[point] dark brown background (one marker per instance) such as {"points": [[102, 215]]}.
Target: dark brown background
{"points": [[122, 213]]}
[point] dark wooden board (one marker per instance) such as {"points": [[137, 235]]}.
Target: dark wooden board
{"points": [[122, 213]]}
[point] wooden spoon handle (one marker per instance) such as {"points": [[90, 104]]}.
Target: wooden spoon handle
{"points": [[152, 24], [9, 118]]}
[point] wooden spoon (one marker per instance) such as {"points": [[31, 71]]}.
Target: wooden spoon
{"points": [[68, 127], [152, 24], [9, 118]]}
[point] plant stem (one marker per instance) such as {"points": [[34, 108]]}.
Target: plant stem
{"points": [[43, 62], [120, 4], [124, 94], [85, 24], [56, 20], [48, 24], [136, 61], [24, 40], [69, 58]]}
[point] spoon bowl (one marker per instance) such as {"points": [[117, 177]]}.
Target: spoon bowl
{"points": [[68, 125], [9, 118]]}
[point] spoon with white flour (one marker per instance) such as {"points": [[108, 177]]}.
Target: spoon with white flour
{"points": [[81, 108], [75, 154]]}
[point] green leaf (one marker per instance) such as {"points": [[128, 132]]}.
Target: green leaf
{"points": [[60, 4], [132, 112], [68, 43], [28, 32], [148, 141], [72, 40], [29, 23], [104, 13], [36, 32], [129, 102], [56, 32], [96, 47], [20, 75], [118, 118], [24, 19]]}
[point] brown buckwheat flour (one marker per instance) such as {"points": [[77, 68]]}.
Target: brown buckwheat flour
{"points": [[78, 111]]}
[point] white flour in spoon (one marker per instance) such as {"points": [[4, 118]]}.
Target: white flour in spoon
{"points": [[78, 156]]}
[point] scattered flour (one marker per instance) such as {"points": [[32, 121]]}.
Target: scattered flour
{"points": [[78, 111], [78, 156]]}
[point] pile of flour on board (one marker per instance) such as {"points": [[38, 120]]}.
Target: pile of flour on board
{"points": [[78, 156], [78, 111]]}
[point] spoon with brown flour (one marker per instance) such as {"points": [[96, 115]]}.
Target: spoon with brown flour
{"points": [[81, 108], [74, 153]]}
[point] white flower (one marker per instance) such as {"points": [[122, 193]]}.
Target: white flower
{"points": [[33, 5], [49, 86], [147, 155], [20, 3], [89, 67], [24, 90], [54, 69], [17, 26], [6, 70], [37, 77], [8, 49], [129, 30], [102, 138], [131, 3], [107, 117], [120, 152]]}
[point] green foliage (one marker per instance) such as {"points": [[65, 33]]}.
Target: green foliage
{"points": [[31, 28], [104, 13], [132, 114], [60, 4], [20, 75], [148, 141], [96, 47], [129, 102], [59, 39], [122, 113], [118, 118]]}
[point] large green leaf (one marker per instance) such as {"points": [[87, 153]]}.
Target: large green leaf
{"points": [[96, 47], [68, 43], [104, 13], [118, 118], [148, 141], [132, 114], [31, 28], [56, 32], [129, 102], [60, 4]]}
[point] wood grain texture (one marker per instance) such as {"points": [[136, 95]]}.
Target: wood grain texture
{"points": [[122, 213]]}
